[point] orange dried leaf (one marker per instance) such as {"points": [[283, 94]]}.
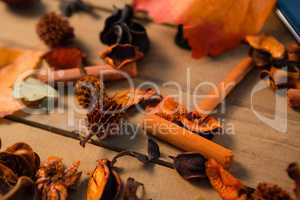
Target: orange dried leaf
{"points": [[223, 182], [15, 68], [211, 26], [268, 44]]}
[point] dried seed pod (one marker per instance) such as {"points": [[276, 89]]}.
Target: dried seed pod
{"points": [[89, 90], [20, 3], [121, 55], [268, 44], [104, 183], [134, 190], [54, 30], [191, 166], [53, 179], [120, 29], [153, 149], [267, 191], [64, 58]]}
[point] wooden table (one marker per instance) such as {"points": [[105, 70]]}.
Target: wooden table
{"points": [[261, 152]]}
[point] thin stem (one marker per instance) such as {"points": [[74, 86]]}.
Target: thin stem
{"points": [[76, 136]]}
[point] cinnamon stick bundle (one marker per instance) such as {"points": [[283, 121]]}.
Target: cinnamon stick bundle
{"points": [[189, 141], [294, 98]]}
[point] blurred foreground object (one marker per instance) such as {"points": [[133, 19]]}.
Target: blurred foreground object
{"points": [[210, 27]]}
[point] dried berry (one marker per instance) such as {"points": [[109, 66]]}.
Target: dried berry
{"points": [[120, 28], [70, 7], [134, 190], [54, 30], [104, 183], [153, 149], [191, 166], [64, 58], [89, 90], [53, 179], [267, 191], [20, 3], [121, 55], [180, 40]]}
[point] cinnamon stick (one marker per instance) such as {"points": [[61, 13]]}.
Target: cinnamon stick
{"points": [[218, 94], [294, 97], [186, 140], [105, 71]]}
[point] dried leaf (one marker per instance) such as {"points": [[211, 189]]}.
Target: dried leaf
{"points": [[153, 149], [228, 187], [27, 61], [191, 166], [268, 44], [31, 90], [64, 58], [211, 27]]}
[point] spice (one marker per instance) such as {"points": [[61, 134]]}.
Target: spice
{"points": [[120, 28], [54, 30], [104, 182], [64, 58], [53, 179], [191, 166]]}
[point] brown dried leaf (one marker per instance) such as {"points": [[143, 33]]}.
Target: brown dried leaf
{"points": [[268, 44]]}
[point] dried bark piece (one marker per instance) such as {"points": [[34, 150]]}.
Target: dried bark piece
{"points": [[134, 190], [228, 187], [191, 166], [268, 44], [53, 179], [54, 30], [104, 182], [268, 191], [294, 173], [64, 58], [121, 55], [16, 67]]}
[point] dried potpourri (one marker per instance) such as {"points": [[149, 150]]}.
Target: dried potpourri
{"points": [[54, 30], [121, 55], [172, 111], [191, 166], [121, 28], [53, 180], [132, 189], [64, 58], [104, 182], [70, 7]]}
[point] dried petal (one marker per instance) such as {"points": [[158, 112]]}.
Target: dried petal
{"points": [[228, 187], [64, 58], [267, 43], [121, 55], [191, 166], [153, 149]]}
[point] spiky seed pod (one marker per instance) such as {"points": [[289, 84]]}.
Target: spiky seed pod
{"points": [[20, 3], [54, 30], [88, 90]]}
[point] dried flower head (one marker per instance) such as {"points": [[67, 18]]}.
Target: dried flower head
{"points": [[53, 179], [54, 30]]}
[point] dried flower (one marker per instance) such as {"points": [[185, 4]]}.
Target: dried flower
{"points": [[119, 28], [121, 55], [153, 149], [191, 166], [64, 58], [53, 179], [89, 90], [134, 190], [267, 191], [104, 182], [54, 30]]}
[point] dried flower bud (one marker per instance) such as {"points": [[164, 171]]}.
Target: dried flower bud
{"points": [[191, 166]]}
